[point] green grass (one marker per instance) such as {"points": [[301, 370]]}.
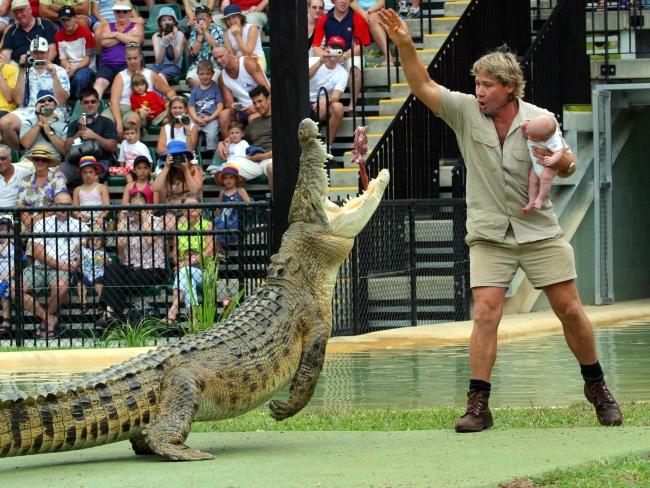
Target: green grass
{"points": [[578, 415], [629, 471]]}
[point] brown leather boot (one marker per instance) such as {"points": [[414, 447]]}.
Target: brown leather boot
{"points": [[477, 416], [607, 410]]}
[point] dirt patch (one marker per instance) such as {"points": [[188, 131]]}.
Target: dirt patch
{"points": [[519, 483]]}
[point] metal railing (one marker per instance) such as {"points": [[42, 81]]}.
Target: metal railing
{"points": [[556, 65], [408, 267], [67, 270]]}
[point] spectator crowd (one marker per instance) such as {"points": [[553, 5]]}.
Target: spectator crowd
{"points": [[76, 98]]}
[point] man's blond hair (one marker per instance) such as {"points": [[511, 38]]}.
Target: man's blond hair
{"points": [[503, 65]]}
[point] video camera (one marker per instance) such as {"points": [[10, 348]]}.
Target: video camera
{"points": [[35, 63]]}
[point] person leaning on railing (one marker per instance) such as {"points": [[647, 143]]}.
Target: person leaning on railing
{"points": [[142, 260], [188, 255]]}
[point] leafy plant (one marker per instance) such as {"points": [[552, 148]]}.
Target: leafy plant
{"points": [[203, 316], [144, 333]]}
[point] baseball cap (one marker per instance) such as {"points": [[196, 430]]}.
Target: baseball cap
{"points": [[16, 4], [336, 41], [39, 44], [202, 9], [122, 5], [66, 12]]}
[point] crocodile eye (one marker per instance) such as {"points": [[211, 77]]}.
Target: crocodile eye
{"points": [[280, 272]]}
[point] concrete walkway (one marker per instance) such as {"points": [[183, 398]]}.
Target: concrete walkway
{"points": [[333, 459]]}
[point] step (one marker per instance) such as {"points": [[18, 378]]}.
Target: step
{"points": [[456, 8], [377, 124], [390, 106], [400, 90], [399, 287], [344, 177], [435, 40], [427, 55], [438, 24]]}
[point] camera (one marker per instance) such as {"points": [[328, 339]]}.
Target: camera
{"points": [[335, 51], [47, 111], [83, 119], [168, 28], [178, 158], [34, 63], [183, 119]]}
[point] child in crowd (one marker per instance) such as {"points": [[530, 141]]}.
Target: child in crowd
{"points": [[142, 183], [228, 218], [91, 193], [541, 132], [93, 261], [206, 103], [149, 104], [235, 149], [131, 148], [6, 269]]}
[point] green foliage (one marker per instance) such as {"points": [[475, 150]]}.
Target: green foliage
{"points": [[144, 333], [579, 415], [204, 315]]}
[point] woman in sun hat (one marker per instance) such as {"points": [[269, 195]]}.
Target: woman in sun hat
{"points": [[242, 38], [168, 45], [91, 193], [227, 219], [178, 175]]}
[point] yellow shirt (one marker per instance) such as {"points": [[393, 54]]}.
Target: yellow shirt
{"points": [[10, 74], [497, 176]]}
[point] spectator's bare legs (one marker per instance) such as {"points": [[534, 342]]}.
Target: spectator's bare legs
{"points": [[226, 116], [172, 311], [379, 36], [58, 296], [100, 85], [545, 181], [533, 190], [10, 130], [356, 75], [31, 305], [578, 331], [488, 310], [336, 116]]}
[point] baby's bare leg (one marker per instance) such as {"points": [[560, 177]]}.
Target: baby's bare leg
{"points": [[533, 190], [545, 181]]}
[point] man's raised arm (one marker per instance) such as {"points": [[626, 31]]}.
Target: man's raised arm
{"points": [[421, 84]]}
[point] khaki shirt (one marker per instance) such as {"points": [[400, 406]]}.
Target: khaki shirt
{"points": [[497, 176]]}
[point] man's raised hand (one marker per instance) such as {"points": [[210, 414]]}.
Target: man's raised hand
{"points": [[394, 26]]}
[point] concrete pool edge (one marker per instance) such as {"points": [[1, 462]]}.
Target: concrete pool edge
{"points": [[512, 327]]}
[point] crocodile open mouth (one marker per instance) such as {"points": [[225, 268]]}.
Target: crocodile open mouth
{"points": [[349, 220]]}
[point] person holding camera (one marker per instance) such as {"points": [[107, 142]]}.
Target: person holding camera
{"points": [[326, 74], [76, 46], [18, 37], [205, 36], [90, 135], [35, 73], [181, 128], [46, 128], [168, 45], [178, 176]]}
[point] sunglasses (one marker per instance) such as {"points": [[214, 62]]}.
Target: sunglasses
{"points": [[89, 102], [51, 100], [122, 11], [40, 160]]}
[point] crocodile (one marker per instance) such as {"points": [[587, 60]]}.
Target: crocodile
{"points": [[277, 336]]}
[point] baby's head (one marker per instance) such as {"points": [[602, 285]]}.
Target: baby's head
{"points": [[139, 84], [539, 128]]}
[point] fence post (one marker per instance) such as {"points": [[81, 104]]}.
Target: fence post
{"points": [[413, 266], [461, 255], [355, 288], [18, 279]]}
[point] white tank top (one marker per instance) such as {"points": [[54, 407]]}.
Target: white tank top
{"points": [[257, 50], [241, 85], [125, 99]]}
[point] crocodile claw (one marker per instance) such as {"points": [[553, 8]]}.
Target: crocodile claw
{"points": [[280, 410]]}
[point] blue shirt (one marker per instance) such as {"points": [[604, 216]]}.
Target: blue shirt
{"points": [[205, 100], [18, 40]]}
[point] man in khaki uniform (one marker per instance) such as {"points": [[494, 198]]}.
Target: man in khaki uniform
{"points": [[500, 236]]}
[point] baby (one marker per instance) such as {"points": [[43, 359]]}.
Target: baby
{"points": [[541, 132]]}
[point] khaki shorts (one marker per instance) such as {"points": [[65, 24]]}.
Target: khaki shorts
{"points": [[545, 262], [40, 278]]}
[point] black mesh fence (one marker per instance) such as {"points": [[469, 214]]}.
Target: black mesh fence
{"points": [[409, 266], [69, 273]]}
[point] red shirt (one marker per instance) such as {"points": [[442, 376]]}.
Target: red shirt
{"points": [[245, 4], [350, 26], [34, 4], [151, 100], [73, 47]]}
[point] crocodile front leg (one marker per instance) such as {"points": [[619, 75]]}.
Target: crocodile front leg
{"points": [[304, 382], [179, 402]]}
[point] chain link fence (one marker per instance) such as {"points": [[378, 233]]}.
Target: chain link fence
{"points": [[69, 273], [409, 266]]}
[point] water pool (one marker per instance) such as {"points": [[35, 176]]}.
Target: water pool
{"points": [[539, 371]]}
